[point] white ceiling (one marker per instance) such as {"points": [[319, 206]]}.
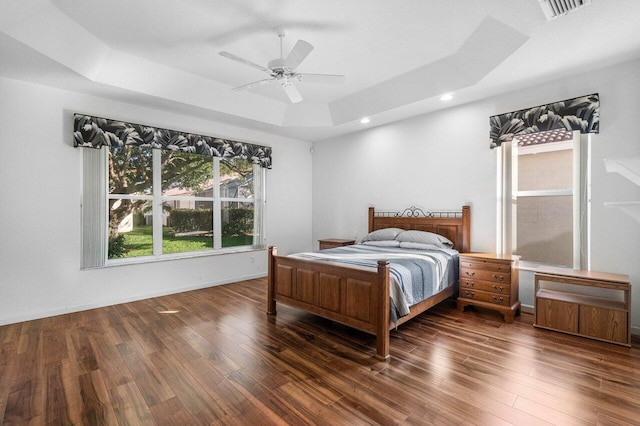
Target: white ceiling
{"points": [[398, 56]]}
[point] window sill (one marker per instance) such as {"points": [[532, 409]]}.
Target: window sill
{"points": [[176, 256], [524, 265]]}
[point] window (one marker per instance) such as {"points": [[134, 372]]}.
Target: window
{"points": [[546, 187], [168, 203]]}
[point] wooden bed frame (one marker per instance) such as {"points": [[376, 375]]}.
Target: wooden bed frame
{"points": [[359, 297]]}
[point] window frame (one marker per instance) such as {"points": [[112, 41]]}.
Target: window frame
{"points": [[95, 212], [506, 234]]}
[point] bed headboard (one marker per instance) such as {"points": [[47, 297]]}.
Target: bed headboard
{"points": [[455, 225]]}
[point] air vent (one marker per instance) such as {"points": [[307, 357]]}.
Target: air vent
{"points": [[555, 8]]}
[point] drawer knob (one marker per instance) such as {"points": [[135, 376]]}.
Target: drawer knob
{"points": [[469, 293], [495, 287], [498, 277], [470, 283], [498, 299], [470, 273]]}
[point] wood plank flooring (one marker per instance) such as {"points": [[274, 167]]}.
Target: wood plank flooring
{"points": [[213, 356]]}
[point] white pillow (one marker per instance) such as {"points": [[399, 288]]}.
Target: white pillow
{"points": [[384, 234], [419, 246], [382, 243], [424, 237]]}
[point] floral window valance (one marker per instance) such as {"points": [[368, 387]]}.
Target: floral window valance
{"points": [[96, 132], [581, 113]]}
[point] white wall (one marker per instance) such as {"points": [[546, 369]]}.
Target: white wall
{"points": [[403, 164], [443, 160], [40, 192]]}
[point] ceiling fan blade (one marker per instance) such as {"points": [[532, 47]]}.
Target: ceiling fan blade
{"points": [[254, 84], [321, 78], [292, 92], [300, 51], [245, 62]]}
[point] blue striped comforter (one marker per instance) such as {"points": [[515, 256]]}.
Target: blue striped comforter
{"points": [[415, 274]]}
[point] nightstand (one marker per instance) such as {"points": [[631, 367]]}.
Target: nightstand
{"points": [[328, 243], [490, 281]]}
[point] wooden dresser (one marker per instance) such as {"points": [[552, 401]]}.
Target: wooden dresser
{"points": [[328, 243], [490, 281]]}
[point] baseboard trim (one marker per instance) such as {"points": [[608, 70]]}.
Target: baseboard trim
{"points": [[526, 309], [80, 308]]}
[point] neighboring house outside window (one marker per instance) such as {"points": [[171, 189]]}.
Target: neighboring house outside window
{"points": [[544, 208]]}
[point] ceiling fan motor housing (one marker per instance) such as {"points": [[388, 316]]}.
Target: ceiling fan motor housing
{"points": [[278, 66]]}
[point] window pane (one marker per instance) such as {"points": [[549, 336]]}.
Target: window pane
{"points": [[130, 228], [545, 170], [545, 229], [186, 174], [236, 179], [187, 226], [237, 224], [130, 170]]}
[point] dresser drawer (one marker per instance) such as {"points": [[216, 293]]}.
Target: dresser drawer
{"points": [[486, 265], [484, 296], [485, 275], [492, 287]]}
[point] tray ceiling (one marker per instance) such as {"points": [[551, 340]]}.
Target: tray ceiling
{"points": [[399, 57]]}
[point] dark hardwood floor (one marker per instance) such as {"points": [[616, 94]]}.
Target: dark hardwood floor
{"points": [[213, 356]]}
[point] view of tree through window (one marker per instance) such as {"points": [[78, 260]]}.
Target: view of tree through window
{"points": [[185, 199]]}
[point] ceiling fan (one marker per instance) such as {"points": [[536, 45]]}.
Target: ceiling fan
{"points": [[283, 70]]}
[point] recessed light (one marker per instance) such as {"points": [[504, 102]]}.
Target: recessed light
{"points": [[446, 97], [364, 120]]}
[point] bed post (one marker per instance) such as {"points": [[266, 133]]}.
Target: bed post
{"points": [[371, 214], [271, 281], [382, 327], [466, 229]]}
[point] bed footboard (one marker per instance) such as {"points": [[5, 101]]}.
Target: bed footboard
{"points": [[355, 297]]}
